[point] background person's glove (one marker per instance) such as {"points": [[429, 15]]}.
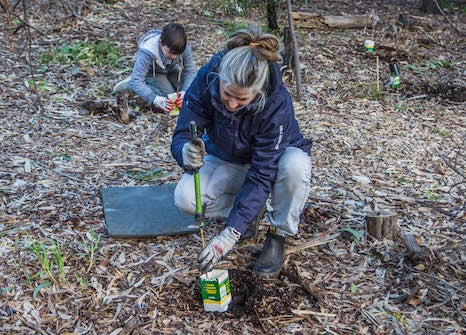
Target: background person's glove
{"points": [[217, 249], [193, 154], [163, 103], [179, 99]]}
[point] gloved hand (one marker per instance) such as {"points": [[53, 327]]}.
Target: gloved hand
{"points": [[193, 154], [163, 103], [179, 99], [217, 249]]}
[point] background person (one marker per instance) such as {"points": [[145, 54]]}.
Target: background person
{"points": [[254, 148], [164, 65]]}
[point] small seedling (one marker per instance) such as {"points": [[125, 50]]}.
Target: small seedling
{"points": [[51, 260], [40, 85], [90, 247], [81, 280]]}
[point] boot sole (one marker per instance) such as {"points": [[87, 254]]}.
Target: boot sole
{"points": [[267, 274]]}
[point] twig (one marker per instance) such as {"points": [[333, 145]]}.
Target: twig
{"points": [[378, 74], [260, 321], [321, 239], [451, 166], [298, 278], [302, 312], [422, 96], [443, 14]]}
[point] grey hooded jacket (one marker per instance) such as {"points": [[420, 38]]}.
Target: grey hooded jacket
{"points": [[150, 61]]}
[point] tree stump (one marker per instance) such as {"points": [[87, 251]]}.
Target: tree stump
{"points": [[123, 107], [382, 225]]}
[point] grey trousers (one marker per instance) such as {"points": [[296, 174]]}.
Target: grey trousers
{"points": [[161, 84], [221, 181], [164, 84]]}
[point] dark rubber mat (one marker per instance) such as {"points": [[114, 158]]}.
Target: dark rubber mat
{"points": [[143, 211]]}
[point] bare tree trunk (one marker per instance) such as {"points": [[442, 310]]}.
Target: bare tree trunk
{"points": [[272, 15], [287, 52], [297, 68], [430, 6]]}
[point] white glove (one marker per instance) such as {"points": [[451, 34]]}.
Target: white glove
{"points": [[163, 103], [217, 249], [193, 154]]}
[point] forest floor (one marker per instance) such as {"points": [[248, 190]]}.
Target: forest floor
{"points": [[375, 149]]}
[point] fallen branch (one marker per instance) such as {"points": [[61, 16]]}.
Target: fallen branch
{"points": [[316, 21], [319, 240], [297, 277]]}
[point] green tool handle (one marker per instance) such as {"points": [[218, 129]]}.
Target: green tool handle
{"points": [[197, 189], [197, 179]]}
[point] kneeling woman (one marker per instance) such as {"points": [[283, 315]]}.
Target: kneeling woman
{"points": [[254, 148]]}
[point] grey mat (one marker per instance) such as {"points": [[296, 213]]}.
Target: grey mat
{"points": [[143, 211]]}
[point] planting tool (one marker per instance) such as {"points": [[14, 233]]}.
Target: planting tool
{"points": [[200, 210], [215, 285]]}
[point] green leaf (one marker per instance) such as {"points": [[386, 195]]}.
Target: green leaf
{"points": [[358, 234], [354, 288], [40, 287]]}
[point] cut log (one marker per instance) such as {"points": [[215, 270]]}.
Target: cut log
{"points": [[100, 106], [316, 21], [118, 106], [382, 225]]}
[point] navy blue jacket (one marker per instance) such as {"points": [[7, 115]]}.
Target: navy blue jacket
{"points": [[243, 137]]}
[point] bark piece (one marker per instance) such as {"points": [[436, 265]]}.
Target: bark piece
{"points": [[413, 250], [382, 225], [316, 21]]}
